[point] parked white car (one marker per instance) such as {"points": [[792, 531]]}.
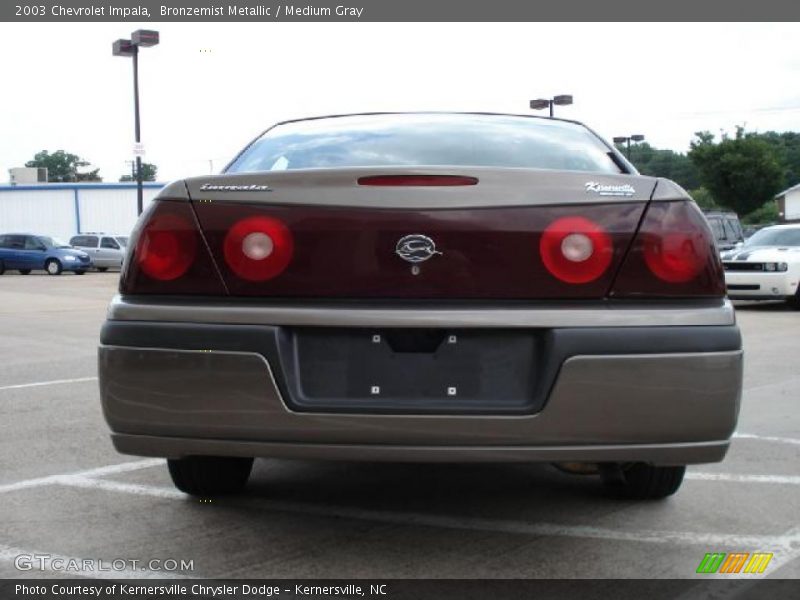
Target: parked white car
{"points": [[766, 266], [106, 249]]}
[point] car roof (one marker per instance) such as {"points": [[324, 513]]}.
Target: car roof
{"points": [[717, 212], [783, 226], [105, 233], [427, 112]]}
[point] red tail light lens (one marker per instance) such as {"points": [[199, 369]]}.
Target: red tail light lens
{"points": [[673, 255], [258, 248], [576, 250], [167, 246], [168, 254], [417, 180]]}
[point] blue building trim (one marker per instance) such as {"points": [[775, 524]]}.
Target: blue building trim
{"points": [[77, 211], [43, 187]]}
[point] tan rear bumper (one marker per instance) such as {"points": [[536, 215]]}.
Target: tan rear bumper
{"points": [[676, 408]]}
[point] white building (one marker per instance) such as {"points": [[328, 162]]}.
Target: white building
{"points": [[789, 203], [64, 209]]}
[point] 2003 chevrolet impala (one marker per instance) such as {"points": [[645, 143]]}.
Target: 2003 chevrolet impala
{"points": [[423, 287]]}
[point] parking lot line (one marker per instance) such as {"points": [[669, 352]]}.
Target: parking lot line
{"points": [[767, 438], [451, 522], [11, 554], [742, 478], [22, 386], [97, 472]]}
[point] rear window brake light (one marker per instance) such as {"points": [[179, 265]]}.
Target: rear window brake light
{"points": [[417, 180]]}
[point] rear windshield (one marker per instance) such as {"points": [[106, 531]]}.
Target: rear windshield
{"points": [[427, 140]]}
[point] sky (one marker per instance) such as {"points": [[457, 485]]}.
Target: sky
{"points": [[208, 89]]}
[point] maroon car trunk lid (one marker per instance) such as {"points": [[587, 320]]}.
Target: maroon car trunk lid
{"points": [[482, 241]]}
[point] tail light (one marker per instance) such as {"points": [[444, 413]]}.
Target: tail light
{"points": [[672, 255], [168, 254], [576, 250], [167, 246], [258, 248]]}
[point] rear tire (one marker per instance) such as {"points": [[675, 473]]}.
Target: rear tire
{"points": [[209, 475], [25, 271], [102, 269], [2, 267], [640, 481], [53, 267]]}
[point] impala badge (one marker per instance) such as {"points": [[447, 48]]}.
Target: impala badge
{"points": [[254, 187], [416, 248]]}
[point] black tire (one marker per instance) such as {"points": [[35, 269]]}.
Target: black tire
{"points": [[80, 272], [102, 269], [794, 301], [210, 475], [53, 266], [2, 267], [640, 481], [25, 271]]}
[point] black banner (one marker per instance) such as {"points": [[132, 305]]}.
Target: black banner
{"points": [[398, 10], [439, 589]]}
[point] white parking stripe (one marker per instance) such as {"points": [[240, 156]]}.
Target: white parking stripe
{"points": [[127, 488], [98, 472], [11, 553], [741, 478], [767, 438], [22, 386], [451, 522]]}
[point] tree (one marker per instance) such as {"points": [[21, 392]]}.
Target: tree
{"points": [[663, 163], [703, 198], [741, 173], [149, 173], [787, 148], [63, 166]]}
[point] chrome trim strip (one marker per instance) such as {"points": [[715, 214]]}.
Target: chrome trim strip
{"points": [[122, 309]]}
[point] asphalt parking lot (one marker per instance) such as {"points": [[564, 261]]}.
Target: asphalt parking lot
{"points": [[67, 493]]}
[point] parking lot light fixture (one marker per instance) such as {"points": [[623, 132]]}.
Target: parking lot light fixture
{"points": [[542, 103], [141, 38], [627, 139]]}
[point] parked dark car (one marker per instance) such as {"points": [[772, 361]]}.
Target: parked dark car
{"points": [[726, 228], [27, 252]]}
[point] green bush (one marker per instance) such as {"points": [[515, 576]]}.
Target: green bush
{"points": [[768, 213]]}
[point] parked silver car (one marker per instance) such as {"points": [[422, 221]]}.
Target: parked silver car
{"points": [[423, 287], [106, 249]]}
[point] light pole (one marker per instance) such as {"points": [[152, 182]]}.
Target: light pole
{"points": [[141, 38], [541, 103], [626, 139]]}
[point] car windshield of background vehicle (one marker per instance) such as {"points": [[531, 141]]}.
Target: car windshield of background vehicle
{"points": [[52, 242], [775, 237], [123, 241], [427, 140]]}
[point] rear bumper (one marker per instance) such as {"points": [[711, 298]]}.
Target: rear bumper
{"points": [[667, 395]]}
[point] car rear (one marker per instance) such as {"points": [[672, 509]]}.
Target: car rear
{"points": [[423, 287]]}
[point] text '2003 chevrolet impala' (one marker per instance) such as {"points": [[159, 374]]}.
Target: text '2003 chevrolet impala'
{"points": [[423, 287]]}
